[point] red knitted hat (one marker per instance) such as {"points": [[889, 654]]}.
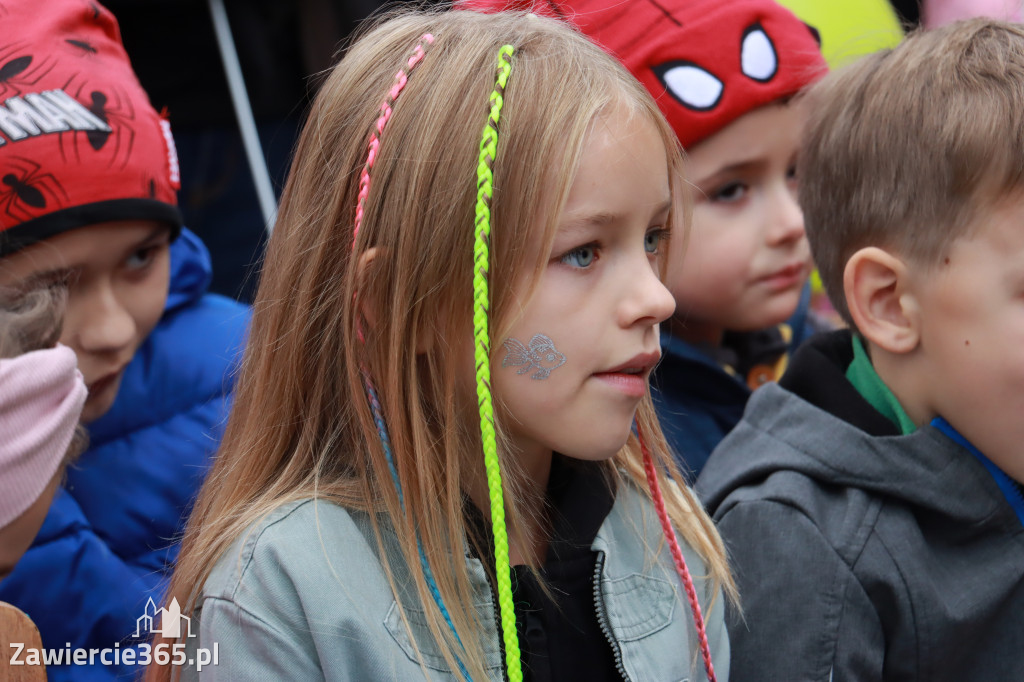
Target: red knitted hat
{"points": [[79, 141], [706, 62]]}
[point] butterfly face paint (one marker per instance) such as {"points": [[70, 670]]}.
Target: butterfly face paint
{"points": [[541, 355]]}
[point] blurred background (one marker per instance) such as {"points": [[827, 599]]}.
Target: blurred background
{"points": [[281, 47]]}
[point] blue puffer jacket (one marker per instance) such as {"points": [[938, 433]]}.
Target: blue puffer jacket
{"points": [[110, 537]]}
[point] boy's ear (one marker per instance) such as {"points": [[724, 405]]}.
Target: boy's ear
{"points": [[367, 268], [881, 300]]}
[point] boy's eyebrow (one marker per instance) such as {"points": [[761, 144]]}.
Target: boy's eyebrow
{"points": [[157, 231], [154, 234], [55, 274], [732, 169]]}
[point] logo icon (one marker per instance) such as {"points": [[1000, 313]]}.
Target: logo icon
{"points": [[170, 621]]}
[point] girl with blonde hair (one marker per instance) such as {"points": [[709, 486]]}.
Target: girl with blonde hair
{"points": [[443, 462]]}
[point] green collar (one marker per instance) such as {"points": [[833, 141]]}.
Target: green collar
{"points": [[861, 373]]}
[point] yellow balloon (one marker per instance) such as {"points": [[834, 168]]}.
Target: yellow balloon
{"points": [[849, 28]]}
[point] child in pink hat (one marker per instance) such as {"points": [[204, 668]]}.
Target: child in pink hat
{"points": [[41, 398]]}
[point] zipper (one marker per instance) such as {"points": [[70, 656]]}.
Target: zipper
{"points": [[602, 616], [497, 628]]}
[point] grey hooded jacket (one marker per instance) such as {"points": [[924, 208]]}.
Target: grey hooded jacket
{"points": [[861, 554], [303, 597]]}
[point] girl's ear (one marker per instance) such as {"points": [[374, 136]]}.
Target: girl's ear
{"points": [[367, 268], [364, 273], [881, 300]]}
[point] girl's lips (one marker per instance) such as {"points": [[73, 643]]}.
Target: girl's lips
{"points": [[632, 385], [100, 385], [641, 363], [630, 377]]}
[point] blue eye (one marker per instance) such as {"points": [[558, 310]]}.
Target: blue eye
{"points": [[581, 256], [654, 239]]}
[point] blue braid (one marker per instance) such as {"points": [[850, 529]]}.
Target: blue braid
{"points": [[385, 441]]}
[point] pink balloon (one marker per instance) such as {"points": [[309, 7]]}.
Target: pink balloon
{"points": [[938, 12]]}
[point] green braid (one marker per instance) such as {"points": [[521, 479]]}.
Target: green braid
{"points": [[481, 305]]}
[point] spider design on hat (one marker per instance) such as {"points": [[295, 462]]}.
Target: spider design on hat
{"points": [[113, 108], [26, 191], [20, 70], [84, 45]]}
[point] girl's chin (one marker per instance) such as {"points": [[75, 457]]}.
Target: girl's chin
{"points": [[597, 452], [91, 413]]}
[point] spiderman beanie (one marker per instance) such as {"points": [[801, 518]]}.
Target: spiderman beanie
{"points": [[706, 62], [79, 141]]}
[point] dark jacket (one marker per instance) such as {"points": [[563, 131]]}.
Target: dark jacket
{"points": [[111, 535], [700, 393], [862, 554]]}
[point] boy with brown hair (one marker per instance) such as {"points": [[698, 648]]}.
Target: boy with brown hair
{"points": [[871, 501]]}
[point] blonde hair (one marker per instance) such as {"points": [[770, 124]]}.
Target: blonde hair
{"points": [[903, 149], [301, 426], [32, 320]]}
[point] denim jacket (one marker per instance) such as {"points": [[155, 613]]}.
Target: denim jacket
{"points": [[302, 596]]}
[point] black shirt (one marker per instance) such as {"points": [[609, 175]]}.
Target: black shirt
{"points": [[560, 636]]}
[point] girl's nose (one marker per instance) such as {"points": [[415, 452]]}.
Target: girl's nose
{"points": [[648, 301], [101, 323]]}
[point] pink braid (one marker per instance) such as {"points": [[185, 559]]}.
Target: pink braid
{"points": [[677, 554], [401, 78]]}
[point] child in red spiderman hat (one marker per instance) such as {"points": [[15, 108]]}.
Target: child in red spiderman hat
{"points": [[724, 73], [88, 180]]}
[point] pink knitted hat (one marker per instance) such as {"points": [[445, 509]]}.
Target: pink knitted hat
{"points": [[41, 397]]}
